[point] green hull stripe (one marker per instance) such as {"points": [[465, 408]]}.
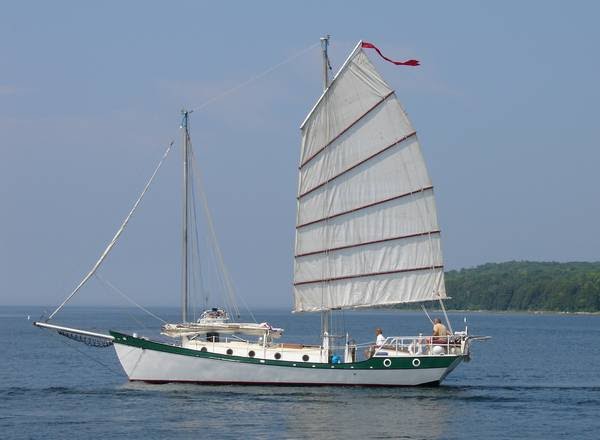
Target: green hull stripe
{"points": [[397, 363]]}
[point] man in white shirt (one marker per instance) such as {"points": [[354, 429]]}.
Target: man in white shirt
{"points": [[380, 338]]}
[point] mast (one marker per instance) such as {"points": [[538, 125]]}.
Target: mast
{"points": [[324, 45], [184, 242], [325, 314]]}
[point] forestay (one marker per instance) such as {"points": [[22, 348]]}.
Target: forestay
{"points": [[367, 232]]}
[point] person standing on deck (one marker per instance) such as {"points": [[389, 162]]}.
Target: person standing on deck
{"points": [[380, 338]]}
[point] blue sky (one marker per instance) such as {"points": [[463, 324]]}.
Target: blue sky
{"points": [[505, 104]]}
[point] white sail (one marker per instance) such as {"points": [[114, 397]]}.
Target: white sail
{"points": [[367, 232]]}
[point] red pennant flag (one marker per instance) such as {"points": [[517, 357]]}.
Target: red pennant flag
{"points": [[366, 45]]}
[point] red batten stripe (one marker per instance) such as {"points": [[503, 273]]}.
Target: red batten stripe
{"points": [[400, 237], [364, 207], [366, 45], [349, 277], [346, 129], [357, 164]]}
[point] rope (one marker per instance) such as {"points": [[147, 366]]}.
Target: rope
{"points": [[230, 296], [428, 317], [120, 292], [197, 278], [446, 316], [256, 77], [88, 355], [116, 236]]}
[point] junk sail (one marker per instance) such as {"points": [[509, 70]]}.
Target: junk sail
{"points": [[367, 232]]}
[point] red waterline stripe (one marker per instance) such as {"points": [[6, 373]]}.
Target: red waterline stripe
{"points": [[296, 383]]}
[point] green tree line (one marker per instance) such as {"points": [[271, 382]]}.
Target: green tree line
{"points": [[526, 285]]}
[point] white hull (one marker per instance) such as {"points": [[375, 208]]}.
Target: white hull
{"points": [[149, 365]]}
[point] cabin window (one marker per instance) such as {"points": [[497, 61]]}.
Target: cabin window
{"points": [[305, 358], [277, 356], [251, 353], [229, 351], [203, 349]]}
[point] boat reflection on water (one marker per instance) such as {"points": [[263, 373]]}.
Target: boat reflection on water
{"points": [[297, 412], [370, 413]]}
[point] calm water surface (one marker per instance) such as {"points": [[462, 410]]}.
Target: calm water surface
{"points": [[539, 377]]}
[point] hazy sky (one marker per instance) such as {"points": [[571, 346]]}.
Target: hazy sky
{"points": [[505, 104]]}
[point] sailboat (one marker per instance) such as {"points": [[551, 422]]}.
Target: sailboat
{"points": [[367, 236]]}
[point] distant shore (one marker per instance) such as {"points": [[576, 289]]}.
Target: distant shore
{"points": [[526, 286]]}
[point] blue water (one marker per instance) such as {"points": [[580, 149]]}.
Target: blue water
{"points": [[539, 377]]}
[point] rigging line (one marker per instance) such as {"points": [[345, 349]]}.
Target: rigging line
{"points": [[112, 243], [120, 292], [141, 324], [87, 355], [228, 297], [446, 316], [425, 310], [256, 77], [213, 239], [194, 254], [196, 278], [200, 291], [248, 309]]}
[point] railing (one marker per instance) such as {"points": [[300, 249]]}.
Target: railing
{"points": [[416, 346], [393, 346]]}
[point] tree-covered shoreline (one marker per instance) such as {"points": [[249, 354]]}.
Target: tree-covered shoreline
{"points": [[526, 286]]}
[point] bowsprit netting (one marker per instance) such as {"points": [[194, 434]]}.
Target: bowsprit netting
{"points": [[92, 341]]}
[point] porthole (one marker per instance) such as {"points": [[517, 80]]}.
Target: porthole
{"points": [[277, 356], [203, 349], [387, 363], [229, 351], [416, 362], [305, 358], [251, 353]]}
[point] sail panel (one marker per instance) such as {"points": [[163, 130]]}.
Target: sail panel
{"points": [[381, 290], [398, 255], [356, 90], [396, 172], [366, 229], [380, 129], [371, 224]]}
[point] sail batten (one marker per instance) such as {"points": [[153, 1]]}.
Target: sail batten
{"points": [[383, 240], [378, 202], [361, 162], [375, 274], [366, 229], [343, 131]]}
